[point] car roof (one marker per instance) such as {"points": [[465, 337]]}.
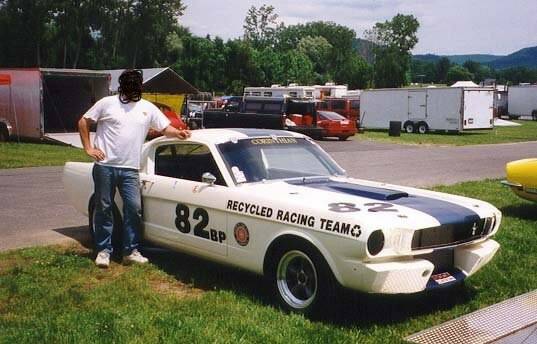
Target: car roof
{"points": [[217, 136]]}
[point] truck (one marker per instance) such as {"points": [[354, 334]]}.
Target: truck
{"points": [[522, 101], [46, 103], [448, 109], [293, 114]]}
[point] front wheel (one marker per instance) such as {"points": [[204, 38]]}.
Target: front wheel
{"points": [[301, 279], [409, 127]]}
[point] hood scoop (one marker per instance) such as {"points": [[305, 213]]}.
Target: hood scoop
{"points": [[352, 189]]}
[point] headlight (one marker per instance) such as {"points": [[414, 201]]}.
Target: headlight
{"points": [[375, 242]]}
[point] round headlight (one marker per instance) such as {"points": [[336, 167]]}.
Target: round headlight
{"points": [[375, 242]]}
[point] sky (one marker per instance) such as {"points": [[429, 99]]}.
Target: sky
{"points": [[446, 26]]}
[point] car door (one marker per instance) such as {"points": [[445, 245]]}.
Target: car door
{"points": [[180, 210]]}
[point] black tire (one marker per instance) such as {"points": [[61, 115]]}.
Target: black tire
{"points": [[300, 278], [116, 232], [422, 128], [343, 138], [409, 127], [4, 134]]}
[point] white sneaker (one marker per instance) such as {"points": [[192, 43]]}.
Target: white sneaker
{"points": [[103, 259], [135, 257]]}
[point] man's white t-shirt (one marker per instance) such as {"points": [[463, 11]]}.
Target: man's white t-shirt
{"points": [[122, 128]]}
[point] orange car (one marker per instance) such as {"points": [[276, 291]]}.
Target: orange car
{"points": [[336, 125], [175, 120]]}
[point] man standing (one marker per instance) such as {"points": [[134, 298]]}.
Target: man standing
{"points": [[122, 125]]}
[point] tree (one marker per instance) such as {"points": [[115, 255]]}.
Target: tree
{"points": [[395, 39], [458, 73], [318, 50], [260, 26], [442, 68]]}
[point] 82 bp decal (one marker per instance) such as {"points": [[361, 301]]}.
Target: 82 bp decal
{"points": [[182, 223]]}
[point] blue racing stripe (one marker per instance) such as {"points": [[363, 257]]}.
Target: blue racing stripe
{"points": [[446, 213]]}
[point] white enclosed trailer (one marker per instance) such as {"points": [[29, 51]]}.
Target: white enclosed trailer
{"points": [[424, 109], [522, 101]]}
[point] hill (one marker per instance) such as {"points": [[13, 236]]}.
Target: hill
{"points": [[526, 57], [459, 59]]}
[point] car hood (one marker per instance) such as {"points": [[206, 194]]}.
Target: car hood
{"points": [[369, 204]]}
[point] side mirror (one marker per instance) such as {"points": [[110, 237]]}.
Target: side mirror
{"points": [[208, 178]]}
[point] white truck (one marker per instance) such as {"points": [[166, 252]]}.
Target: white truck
{"points": [[423, 109], [522, 101]]}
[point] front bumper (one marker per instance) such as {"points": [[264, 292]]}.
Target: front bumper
{"points": [[411, 274]]}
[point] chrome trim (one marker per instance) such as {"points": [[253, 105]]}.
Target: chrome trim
{"points": [[511, 184]]}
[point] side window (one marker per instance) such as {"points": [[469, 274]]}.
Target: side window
{"points": [[187, 161]]}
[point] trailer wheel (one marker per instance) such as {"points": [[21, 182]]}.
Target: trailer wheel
{"points": [[423, 127], [4, 134], [409, 127]]}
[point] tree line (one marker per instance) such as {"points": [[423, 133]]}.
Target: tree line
{"points": [[110, 34]]}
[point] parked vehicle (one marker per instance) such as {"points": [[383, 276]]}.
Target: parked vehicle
{"points": [[522, 101], [268, 113], [346, 107], [336, 125], [522, 178], [175, 120], [46, 103], [274, 203], [423, 109]]}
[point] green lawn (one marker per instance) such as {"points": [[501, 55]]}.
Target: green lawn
{"points": [[13, 155], [57, 295], [526, 132]]}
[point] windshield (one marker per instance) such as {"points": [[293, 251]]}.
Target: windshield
{"points": [[331, 115], [257, 159]]}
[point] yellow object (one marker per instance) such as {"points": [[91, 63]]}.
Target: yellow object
{"points": [[522, 178], [175, 101]]}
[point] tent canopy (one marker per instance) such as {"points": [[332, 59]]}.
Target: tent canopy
{"points": [[157, 80], [465, 84]]}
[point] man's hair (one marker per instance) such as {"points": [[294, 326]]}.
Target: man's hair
{"points": [[130, 85]]}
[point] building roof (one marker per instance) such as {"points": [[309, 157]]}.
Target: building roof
{"points": [[157, 80]]}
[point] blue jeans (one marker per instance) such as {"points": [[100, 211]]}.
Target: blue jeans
{"points": [[127, 181]]}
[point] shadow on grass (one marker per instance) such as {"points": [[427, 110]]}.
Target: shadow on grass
{"points": [[523, 211], [353, 309]]}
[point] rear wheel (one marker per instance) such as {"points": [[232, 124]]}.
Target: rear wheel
{"points": [[301, 279], [116, 232], [343, 138], [422, 127]]}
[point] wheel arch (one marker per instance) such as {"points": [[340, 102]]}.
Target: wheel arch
{"points": [[313, 243]]}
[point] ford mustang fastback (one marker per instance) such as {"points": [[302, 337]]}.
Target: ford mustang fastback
{"points": [[274, 203]]}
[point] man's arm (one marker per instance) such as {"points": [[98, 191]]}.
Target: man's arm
{"points": [[173, 132], [83, 129]]}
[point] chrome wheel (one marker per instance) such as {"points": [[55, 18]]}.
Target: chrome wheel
{"points": [[296, 278]]}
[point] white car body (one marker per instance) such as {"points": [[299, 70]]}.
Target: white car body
{"points": [[334, 214]]}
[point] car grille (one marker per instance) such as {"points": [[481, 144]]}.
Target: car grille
{"points": [[451, 234]]}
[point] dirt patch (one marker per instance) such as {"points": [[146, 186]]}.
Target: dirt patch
{"points": [[174, 288]]}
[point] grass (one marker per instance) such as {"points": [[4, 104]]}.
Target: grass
{"points": [[526, 132], [14, 155], [57, 295]]}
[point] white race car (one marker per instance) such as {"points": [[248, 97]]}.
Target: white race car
{"points": [[274, 203]]}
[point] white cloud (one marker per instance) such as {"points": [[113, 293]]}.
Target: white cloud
{"points": [[446, 27]]}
